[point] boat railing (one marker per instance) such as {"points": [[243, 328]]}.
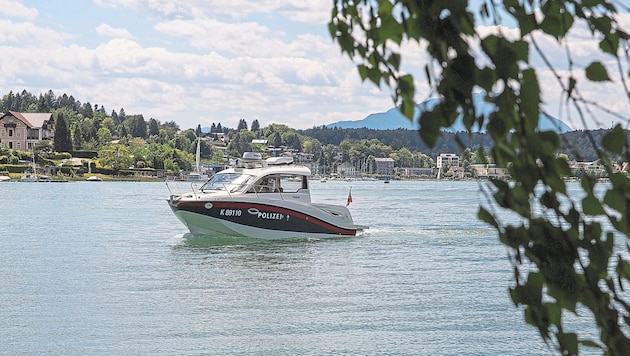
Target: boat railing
{"points": [[225, 187], [193, 187]]}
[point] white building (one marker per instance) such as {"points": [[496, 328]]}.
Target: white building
{"points": [[346, 169], [447, 159], [20, 131]]}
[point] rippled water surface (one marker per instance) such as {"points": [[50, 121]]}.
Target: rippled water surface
{"points": [[105, 268]]}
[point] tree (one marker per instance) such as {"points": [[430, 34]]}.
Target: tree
{"points": [[121, 115], [62, 140], [123, 131], [115, 156], [255, 125], [115, 117], [560, 249], [277, 139], [242, 125], [77, 136], [154, 128], [104, 136], [138, 127], [87, 111]]}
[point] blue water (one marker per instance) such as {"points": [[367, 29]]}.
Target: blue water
{"points": [[105, 268]]}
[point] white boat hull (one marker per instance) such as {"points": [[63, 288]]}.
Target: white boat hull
{"points": [[260, 219]]}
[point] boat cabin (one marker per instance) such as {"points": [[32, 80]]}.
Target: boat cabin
{"points": [[273, 178]]}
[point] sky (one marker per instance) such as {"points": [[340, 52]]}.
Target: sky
{"points": [[216, 61]]}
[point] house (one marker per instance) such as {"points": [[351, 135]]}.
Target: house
{"points": [[489, 171], [447, 159], [416, 171], [346, 170], [384, 166], [20, 131], [456, 172]]}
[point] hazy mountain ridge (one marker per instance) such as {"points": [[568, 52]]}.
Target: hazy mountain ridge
{"points": [[393, 119]]}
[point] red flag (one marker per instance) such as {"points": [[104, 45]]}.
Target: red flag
{"points": [[349, 197]]}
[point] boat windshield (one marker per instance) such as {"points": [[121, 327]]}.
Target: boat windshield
{"points": [[230, 182]]}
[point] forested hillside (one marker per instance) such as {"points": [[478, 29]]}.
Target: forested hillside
{"points": [[396, 139], [86, 129], [453, 142]]}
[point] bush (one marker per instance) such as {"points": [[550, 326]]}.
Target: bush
{"points": [[59, 156], [14, 168], [84, 154]]}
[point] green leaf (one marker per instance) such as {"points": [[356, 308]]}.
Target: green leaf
{"points": [[375, 75], [406, 86], [521, 49], [484, 215], [551, 24], [530, 98], [602, 23], [407, 109], [394, 60], [592, 206], [570, 87], [614, 140], [610, 44], [363, 71], [568, 343], [597, 72]]}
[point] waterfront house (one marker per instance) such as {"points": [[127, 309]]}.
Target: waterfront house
{"points": [[413, 172], [489, 171], [21, 131], [346, 169], [384, 166], [447, 160]]}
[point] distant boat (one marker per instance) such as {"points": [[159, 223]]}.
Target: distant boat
{"points": [[45, 178], [386, 180], [197, 176], [29, 177], [5, 178], [93, 179]]}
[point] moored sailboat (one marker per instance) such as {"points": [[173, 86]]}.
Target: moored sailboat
{"points": [[196, 175]]}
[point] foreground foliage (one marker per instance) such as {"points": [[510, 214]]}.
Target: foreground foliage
{"points": [[568, 257]]}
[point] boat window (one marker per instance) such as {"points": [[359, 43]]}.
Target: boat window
{"points": [[279, 183], [291, 183], [267, 184], [230, 182]]}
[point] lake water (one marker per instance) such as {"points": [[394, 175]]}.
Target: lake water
{"points": [[106, 268]]}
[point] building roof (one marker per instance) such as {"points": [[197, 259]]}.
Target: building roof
{"points": [[388, 159], [31, 119]]}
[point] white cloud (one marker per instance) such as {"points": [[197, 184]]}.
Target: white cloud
{"points": [[204, 61], [17, 10], [27, 34], [109, 31]]}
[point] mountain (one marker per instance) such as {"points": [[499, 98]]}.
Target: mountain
{"points": [[393, 119]]}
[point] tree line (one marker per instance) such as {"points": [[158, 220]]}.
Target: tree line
{"points": [[83, 127]]}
